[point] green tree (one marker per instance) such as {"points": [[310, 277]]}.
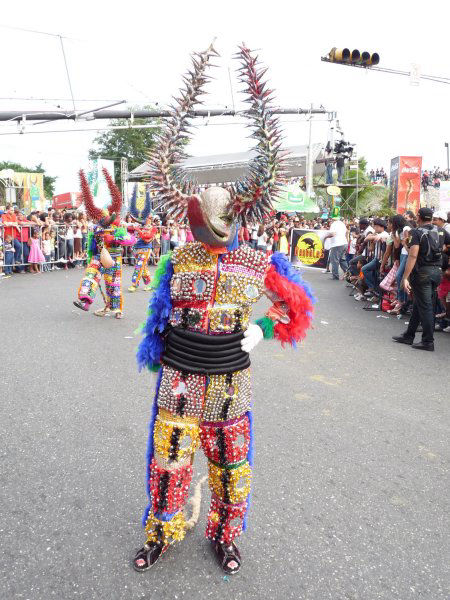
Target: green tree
{"points": [[370, 199], [49, 182], [129, 143]]}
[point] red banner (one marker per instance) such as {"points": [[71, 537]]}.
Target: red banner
{"points": [[409, 177]]}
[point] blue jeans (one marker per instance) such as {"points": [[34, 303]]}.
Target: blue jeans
{"points": [[337, 258], [401, 294], [340, 171], [165, 246], [329, 172], [9, 261], [21, 253], [370, 270]]}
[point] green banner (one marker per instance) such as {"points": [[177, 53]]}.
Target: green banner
{"points": [[293, 199]]}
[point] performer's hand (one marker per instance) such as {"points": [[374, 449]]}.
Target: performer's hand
{"points": [[252, 336]]}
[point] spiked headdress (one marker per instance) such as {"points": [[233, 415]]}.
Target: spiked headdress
{"points": [[253, 195], [103, 216]]}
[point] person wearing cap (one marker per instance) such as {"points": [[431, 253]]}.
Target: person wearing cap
{"points": [[440, 219], [422, 277]]}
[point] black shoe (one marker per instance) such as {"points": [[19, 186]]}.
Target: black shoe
{"points": [[148, 555], [401, 339], [424, 346], [228, 556]]}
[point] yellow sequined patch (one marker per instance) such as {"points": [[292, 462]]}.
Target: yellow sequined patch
{"points": [[238, 485], [171, 531]]}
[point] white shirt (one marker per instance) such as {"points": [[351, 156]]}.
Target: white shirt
{"points": [[340, 234]]}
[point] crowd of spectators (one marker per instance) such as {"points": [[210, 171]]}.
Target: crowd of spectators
{"points": [[374, 261], [433, 177], [378, 176], [372, 253]]}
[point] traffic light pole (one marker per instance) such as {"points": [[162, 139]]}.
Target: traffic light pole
{"points": [[435, 78]]}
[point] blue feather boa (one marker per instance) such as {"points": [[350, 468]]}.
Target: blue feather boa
{"points": [[160, 305]]}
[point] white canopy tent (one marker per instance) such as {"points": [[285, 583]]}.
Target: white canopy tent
{"points": [[226, 168]]}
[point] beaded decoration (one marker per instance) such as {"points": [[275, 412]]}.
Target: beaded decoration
{"points": [[166, 532], [181, 394], [253, 262], [226, 443], [195, 319], [169, 489], [192, 287], [225, 520], [175, 441], [193, 257], [232, 485], [227, 396], [229, 318], [238, 288]]}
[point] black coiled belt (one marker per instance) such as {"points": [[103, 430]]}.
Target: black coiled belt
{"points": [[204, 354]]}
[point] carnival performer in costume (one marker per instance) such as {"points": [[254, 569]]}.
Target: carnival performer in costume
{"points": [[198, 334], [104, 247], [145, 234]]}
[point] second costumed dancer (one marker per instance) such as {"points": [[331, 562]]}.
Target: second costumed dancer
{"points": [[145, 234], [105, 246], [198, 334]]}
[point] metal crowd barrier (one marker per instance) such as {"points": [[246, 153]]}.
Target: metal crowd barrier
{"points": [[64, 249]]}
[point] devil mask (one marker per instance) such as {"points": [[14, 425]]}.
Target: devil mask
{"points": [[214, 212]]}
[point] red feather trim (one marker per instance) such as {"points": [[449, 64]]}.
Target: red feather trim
{"points": [[299, 304], [116, 196], [93, 211]]}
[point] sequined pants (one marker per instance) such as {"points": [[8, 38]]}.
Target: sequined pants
{"points": [[141, 267], [193, 411], [113, 282]]}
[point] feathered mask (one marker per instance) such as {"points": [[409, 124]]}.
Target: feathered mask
{"points": [[250, 197], [140, 217], [105, 217]]}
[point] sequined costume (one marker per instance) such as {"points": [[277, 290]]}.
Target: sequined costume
{"points": [[105, 246], [199, 318], [145, 234]]}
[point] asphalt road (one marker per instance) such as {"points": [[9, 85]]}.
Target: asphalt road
{"points": [[351, 487]]}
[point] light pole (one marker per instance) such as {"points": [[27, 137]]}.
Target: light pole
{"points": [[448, 161]]}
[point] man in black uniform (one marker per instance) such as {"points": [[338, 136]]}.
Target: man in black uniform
{"points": [[422, 276]]}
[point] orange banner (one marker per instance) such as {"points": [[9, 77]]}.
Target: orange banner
{"points": [[409, 177]]}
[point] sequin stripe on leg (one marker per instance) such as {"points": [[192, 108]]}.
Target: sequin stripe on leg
{"points": [[182, 393], [169, 487], [232, 485], [226, 443], [175, 439], [227, 396], [225, 521]]}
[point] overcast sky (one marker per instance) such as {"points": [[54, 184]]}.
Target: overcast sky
{"points": [[138, 50]]}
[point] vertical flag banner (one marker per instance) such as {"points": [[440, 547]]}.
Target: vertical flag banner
{"points": [[393, 182], [409, 178], [97, 181]]}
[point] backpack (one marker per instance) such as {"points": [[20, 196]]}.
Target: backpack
{"points": [[434, 245]]}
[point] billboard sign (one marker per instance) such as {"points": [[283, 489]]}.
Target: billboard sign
{"points": [[405, 181]]}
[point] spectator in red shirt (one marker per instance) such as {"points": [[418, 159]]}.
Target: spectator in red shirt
{"points": [[23, 235], [9, 220]]}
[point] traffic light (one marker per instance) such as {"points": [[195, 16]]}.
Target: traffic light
{"points": [[352, 57]]}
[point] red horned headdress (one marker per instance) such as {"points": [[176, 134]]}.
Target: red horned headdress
{"points": [[103, 216]]}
